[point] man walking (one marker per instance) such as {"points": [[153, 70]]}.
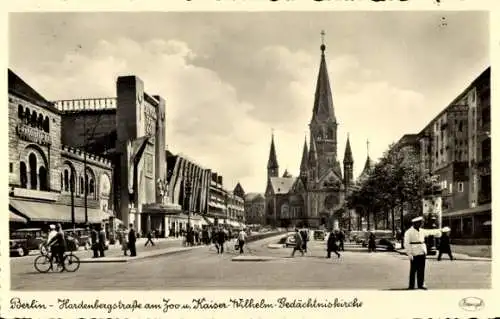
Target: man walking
{"points": [[102, 242], [444, 244], [341, 240], [305, 238], [241, 239], [150, 239], [220, 239], [414, 240], [331, 245], [298, 243], [131, 240], [94, 238]]}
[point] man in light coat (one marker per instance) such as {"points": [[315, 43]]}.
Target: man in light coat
{"points": [[416, 249]]}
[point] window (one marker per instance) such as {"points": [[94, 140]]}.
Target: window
{"points": [[46, 124], [33, 170], [42, 174], [81, 185], [11, 167], [39, 122], [451, 188], [20, 111], [34, 117], [23, 175], [445, 184], [27, 116], [460, 187], [66, 180]]}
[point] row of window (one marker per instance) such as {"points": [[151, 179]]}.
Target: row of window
{"points": [[460, 186], [32, 176], [86, 185], [33, 119]]}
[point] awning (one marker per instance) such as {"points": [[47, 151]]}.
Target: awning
{"points": [[209, 220], [469, 211], [16, 218], [48, 212]]}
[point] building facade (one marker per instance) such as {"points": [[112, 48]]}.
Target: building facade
{"points": [[316, 197], [456, 148], [255, 204], [51, 181]]}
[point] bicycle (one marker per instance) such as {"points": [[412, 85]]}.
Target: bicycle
{"points": [[44, 263]]}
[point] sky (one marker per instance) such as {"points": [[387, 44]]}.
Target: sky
{"points": [[229, 79]]}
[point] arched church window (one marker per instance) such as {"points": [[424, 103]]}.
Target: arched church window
{"points": [[27, 116], [33, 171], [91, 187], [42, 174], [66, 180], [34, 118], [23, 175], [82, 185], [39, 123], [20, 111], [46, 124], [62, 184]]}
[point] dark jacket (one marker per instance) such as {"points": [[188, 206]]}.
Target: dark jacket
{"points": [[102, 237], [331, 244], [93, 236], [58, 240], [131, 237], [221, 237], [444, 243]]}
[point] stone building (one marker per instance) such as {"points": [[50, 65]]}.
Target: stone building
{"points": [[51, 181], [130, 131], [316, 197], [255, 204], [456, 148]]}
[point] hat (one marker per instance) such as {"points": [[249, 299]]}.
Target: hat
{"points": [[52, 226], [417, 219], [445, 229]]}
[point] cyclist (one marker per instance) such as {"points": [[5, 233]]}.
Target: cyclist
{"points": [[57, 245]]}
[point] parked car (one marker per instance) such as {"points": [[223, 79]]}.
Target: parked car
{"points": [[81, 235], [290, 241], [384, 239], [23, 240], [319, 235]]}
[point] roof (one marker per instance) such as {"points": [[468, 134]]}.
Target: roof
{"points": [[304, 162], [20, 88], [348, 153], [369, 164], [253, 196], [282, 185], [273, 161], [323, 101]]}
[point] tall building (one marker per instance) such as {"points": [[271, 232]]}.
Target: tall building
{"points": [[49, 180], [456, 148], [316, 197], [255, 204]]}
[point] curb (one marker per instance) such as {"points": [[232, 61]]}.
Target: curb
{"points": [[253, 259], [468, 258], [124, 260]]}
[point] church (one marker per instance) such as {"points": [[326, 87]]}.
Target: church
{"points": [[316, 198]]}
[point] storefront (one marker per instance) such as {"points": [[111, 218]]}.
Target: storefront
{"points": [[470, 223]]}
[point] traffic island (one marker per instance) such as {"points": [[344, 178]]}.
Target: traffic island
{"points": [[143, 255], [254, 258]]}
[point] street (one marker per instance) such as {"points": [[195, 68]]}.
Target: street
{"points": [[202, 268]]}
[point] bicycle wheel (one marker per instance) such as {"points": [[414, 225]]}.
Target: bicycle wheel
{"points": [[42, 263], [71, 263]]}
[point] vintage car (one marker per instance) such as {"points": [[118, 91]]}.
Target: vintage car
{"points": [[23, 240], [384, 239], [290, 241], [319, 235], [82, 236]]}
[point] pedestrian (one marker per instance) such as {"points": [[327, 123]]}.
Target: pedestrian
{"points": [[242, 236], [444, 244], [341, 240], [150, 239], [94, 239], [102, 242], [305, 238], [219, 240], [372, 246], [124, 241], [331, 245], [131, 241], [298, 243], [416, 249]]}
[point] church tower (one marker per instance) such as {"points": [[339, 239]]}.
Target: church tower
{"points": [[304, 163], [272, 163], [323, 125], [348, 164]]}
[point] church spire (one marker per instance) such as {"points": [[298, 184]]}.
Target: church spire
{"points": [[272, 163], [313, 154], [323, 103], [368, 163], [304, 164], [348, 153]]}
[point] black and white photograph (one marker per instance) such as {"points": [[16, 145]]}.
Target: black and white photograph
{"points": [[174, 151]]}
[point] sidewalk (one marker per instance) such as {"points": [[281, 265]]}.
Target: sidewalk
{"points": [[456, 256]]}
